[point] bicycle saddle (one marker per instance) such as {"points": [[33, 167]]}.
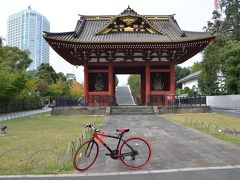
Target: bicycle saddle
{"points": [[123, 130]]}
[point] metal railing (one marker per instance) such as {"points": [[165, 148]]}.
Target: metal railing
{"points": [[172, 100], [153, 100], [197, 100], [69, 101], [98, 100], [92, 100], [13, 105]]}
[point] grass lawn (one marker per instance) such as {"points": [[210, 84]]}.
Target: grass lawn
{"points": [[37, 144], [215, 124]]}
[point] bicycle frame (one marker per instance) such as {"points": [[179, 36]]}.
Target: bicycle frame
{"points": [[98, 135], [127, 155]]}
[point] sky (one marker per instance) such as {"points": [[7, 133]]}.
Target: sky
{"points": [[191, 15]]}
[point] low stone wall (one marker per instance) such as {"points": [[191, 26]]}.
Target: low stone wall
{"points": [[224, 102], [78, 110], [184, 109]]}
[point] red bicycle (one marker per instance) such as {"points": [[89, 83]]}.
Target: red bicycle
{"points": [[134, 152]]}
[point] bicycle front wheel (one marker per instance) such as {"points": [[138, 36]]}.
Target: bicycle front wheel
{"points": [[135, 153], [85, 155]]}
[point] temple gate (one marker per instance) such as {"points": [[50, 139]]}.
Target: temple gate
{"points": [[128, 43]]}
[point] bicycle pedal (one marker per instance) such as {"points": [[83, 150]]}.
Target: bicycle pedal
{"points": [[107, 154]]}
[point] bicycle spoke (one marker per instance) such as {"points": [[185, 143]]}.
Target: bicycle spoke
{"points": [[85, 155], [135, 153]]}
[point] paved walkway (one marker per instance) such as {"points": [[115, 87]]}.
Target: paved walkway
{"points": [[14, 115], [179, 153], [174, 146]]}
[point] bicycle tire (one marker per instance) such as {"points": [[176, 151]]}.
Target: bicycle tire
{"points": [[139, 160], [85, 155]]}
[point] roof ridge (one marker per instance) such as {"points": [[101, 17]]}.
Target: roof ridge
{"points": [[190, 76]]}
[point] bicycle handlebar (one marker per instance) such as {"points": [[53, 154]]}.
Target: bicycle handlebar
{"points": [[88, 125], [91, 126]]}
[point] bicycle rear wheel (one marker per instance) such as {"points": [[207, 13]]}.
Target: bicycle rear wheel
{"points": [[85, 155], [135, 153]]}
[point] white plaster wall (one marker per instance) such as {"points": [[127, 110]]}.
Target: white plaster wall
{"points": [[190, 84], [225, 101]]}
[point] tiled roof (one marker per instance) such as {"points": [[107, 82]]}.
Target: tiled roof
{"points": [[87, 27], [190, 77], [128, 37]]}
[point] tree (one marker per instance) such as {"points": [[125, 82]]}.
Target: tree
{"points": [[13, 75], [62, 77], [222, 55], [76, 89], [42, 87], [180, 73], [231, 23], [47, 73], [214, 26], [134, 81], [197, 66], [208, 81], [66, 83], [30, 87], [70, 76], [56, 89], [230, 54]]}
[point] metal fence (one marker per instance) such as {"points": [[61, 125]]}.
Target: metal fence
{"points": [[100, 101], [69, 101], [172, 100], [153, 100], [92, 100], [190, 100], [7, 106]]}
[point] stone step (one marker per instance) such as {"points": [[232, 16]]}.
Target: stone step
{"points": [[133, 113], [131, 110]]}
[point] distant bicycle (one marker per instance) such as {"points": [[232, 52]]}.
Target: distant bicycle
{"points": [[134, 152]]}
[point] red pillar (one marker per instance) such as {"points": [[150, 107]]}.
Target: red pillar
{"points": [[110, 80], [114, 84], [147, 82], [143, 98], [172, 79], [86, 83]]}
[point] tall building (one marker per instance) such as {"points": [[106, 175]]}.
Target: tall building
{"points": [[25, 30]]}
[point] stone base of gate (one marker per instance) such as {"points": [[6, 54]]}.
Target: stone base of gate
{"points": [[79, 110]]}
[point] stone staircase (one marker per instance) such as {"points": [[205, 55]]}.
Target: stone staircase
{"points": [[126, 105], [124, 96], [131, 110]]}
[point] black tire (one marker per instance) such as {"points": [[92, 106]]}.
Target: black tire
{"points": [[85, 155], [135, 153]]}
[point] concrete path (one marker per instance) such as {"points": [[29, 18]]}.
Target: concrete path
{"points": [[174, 146], [124, 96], [13, 115], [226, 173]]}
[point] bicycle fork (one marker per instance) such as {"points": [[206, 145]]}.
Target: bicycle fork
{"points": [[87, 153]]}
